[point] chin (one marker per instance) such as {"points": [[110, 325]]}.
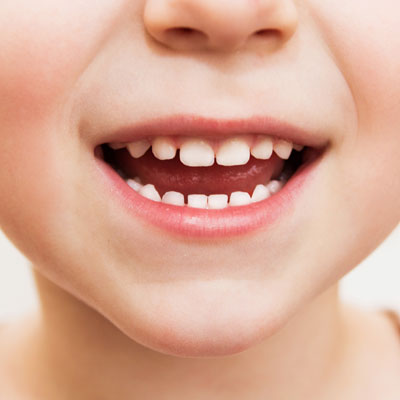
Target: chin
{"points": [[201, 319]]}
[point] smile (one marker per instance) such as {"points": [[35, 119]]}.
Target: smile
{"points": [[193, 177]]}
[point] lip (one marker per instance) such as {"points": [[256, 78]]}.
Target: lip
{"points": [[203, 223], [193, 125]]}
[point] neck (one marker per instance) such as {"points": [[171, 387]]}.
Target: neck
{"points": [[80, 348]]}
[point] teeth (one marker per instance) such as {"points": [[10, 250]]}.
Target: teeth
{"points": [[138, 148], [283, 148], [196, 153], [260, 193], [274, 186], [239, 199], [217, 201], [134, 184], [117, 146], [163, 148], [263, 149], [175, 198], [233, 151], [150, 192], [197, 200], [298, 147]]}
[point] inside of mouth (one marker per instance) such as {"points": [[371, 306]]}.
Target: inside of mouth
{"points": [[173, 176]]}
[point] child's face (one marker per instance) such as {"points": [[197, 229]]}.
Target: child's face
{"points": [[72, 75]]}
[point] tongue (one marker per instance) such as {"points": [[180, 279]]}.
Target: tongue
{"points": [[172, 175]]}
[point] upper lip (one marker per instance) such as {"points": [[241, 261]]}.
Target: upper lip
{"points": [[194, 125]]}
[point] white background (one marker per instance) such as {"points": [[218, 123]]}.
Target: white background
{"points": [[373, 284]]}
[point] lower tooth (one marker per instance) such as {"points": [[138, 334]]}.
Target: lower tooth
{"points": [[197, 200], [174, 198], [275, 186], [239, 199], [260, 193], [134, 184], [150, 192], [217, 201]]}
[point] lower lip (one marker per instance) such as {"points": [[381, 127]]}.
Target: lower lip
{"points": [[203, 223]]}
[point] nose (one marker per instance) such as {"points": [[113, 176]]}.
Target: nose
{"points": [[221, 25]]}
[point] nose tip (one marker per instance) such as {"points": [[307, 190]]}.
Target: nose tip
{"points": [[223, 25]]}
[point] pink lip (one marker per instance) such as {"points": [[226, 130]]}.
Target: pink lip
{"points": [[191, 125], [200, 223]]}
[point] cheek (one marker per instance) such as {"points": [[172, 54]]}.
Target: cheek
{"points": [[44, 50], [364, 37]]}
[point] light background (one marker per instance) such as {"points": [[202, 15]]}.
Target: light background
{"points": [[373, 284]]}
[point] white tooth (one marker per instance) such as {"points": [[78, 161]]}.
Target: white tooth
{"points": [[217, 201], [163, 148], [263, 149], [260, 193], [274, 186], [150, 192], [134, 184], [283, 148], [298, 147], [117, 146], [197, 200], [138, 148], [233, 151], [239, 199], [196, 153], [175, 198]]}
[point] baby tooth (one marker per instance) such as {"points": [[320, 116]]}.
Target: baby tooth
{"points": [[134, 184], [239, 199], [298, 147], [150, 192], [196, 153], [217, 201], [138, 148], [263, 149], [260, 193], [283, 148], [163, 148], [197, 200], [117, 146], [274, 186], [233, 151], [175, 198]]}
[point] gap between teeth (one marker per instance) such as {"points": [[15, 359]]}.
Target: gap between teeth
{"points": [[198, 152], [213, 201]]}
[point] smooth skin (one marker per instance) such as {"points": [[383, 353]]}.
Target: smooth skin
{"points": [[128, 311]]}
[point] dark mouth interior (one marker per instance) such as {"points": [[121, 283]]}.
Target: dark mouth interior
{"points": [[172, 175]]}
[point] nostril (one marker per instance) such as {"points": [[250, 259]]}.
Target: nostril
{"points": [[267, 32], [185, 32]]}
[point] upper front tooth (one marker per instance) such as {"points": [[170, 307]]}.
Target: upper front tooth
{"points": [[196, 153], [283, 148], [233, 151], [138, 148], [163, 148], [263, 149]]}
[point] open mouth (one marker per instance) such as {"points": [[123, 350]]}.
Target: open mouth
{"points": [[204, 178], [207, 173]]}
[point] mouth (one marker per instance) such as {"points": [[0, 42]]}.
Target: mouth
{"points": [[198, 178]]}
